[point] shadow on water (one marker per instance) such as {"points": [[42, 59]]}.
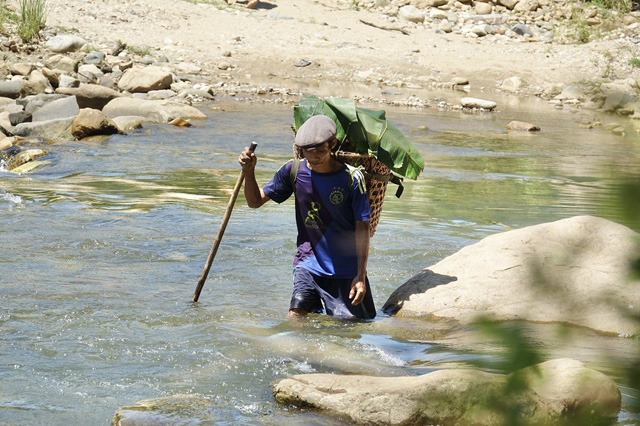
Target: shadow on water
{"points": [[102, 250]]}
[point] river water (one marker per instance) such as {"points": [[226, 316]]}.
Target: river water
{"points": [[101, 251]]}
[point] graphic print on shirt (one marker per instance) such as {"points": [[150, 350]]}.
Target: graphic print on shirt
{"points": [[313, 219], [337, 196]]}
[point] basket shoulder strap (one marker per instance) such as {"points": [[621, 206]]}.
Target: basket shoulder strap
{"points": [[357, 171], [293, 173]]}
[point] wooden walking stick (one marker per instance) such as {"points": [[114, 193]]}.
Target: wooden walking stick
{"points": [[223, 226]]}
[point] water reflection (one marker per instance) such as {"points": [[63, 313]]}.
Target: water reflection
{"points": [[102, 250]]}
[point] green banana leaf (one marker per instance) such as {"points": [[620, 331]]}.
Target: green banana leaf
{"points": [[364, 131]]}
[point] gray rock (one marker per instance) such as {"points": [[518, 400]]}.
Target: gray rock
{"points": [[64, 43], [528, 6], [36, 84], [435, 13], [89, 73], [445, 26], [192, 93], [129, 122], [483, 8], [157, 111], [491, 19], [55, 130], [481, 30], [570, 92], [10, 89], [16, 118], [143, 80], [66, 82], [108, 81], [91, 122], [617, 100], [155, 95], [574, 270], [509, 4], [523, 30], [94, 58], [91, 95], [63, 63], [411, 14], [459, 81], [20, 68], [513, 84], [7, 142], [477, 103], [60, 108], [34, 102], [554, 391], [51, 76]]}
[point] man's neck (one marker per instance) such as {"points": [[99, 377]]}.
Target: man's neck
{"points": [[332, 165]]}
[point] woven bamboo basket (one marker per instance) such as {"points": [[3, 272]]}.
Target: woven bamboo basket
{"points": [[376, 176]]}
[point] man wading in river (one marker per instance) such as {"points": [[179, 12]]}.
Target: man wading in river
{"points": [[332, 214]]}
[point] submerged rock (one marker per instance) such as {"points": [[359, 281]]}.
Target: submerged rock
{"points": [[521, 125], [575, 270], [24, 157], [172, 410], [552, 391]]}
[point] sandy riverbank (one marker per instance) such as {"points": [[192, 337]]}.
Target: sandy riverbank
{"points": [[266, 46]]}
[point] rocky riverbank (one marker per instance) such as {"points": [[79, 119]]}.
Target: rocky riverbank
{"points": [[166, 56]]}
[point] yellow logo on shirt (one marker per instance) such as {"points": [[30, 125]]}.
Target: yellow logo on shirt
{"points": [[313, 219], [337, 196]]}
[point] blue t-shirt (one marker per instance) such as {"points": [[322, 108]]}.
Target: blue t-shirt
{"points": [[327, 207]]}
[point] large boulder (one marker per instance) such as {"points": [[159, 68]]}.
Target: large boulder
{"points": [[91, 122], [54, 130], [555, 390], [157, 111], [143, 80], [90, 95], [574, 270], [59, 108]]}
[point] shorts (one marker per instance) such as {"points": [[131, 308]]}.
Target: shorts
{"points": [[311, 292]]}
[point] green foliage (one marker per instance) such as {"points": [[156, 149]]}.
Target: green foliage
{"points": [[622, 6], [32, 19], [364, 131], [635, 62], [577, 29], [140, 51]]}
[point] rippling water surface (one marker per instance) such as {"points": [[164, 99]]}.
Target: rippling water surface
{"points": [[101, 251]]}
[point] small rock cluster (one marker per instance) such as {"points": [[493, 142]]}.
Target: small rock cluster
{"points": [[536, 20], [72, 94]]}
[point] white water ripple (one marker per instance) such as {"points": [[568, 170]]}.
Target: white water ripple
{"points": [[10, 197]]}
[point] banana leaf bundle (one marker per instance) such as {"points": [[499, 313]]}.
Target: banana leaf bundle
{"points": [[364, 131]]}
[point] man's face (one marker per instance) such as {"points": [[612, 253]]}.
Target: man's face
{"points": [[318, 154]]}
